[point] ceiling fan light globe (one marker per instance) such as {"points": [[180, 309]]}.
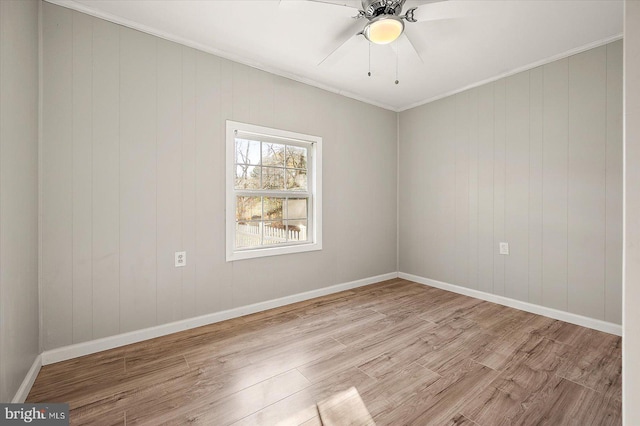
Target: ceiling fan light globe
{"points": [[384, 30]]}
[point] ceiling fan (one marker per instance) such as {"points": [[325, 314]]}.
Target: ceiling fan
{"points": [[385, 21]]}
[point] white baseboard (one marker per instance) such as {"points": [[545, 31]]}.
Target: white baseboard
{"points": [[93, 346], [595, 324], [29, 379]]}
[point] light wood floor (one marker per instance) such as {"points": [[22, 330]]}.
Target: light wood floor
{"points": [[417, 355]]}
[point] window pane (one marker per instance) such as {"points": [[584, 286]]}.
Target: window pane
{"points": [[296, 180], [272, 154], [248, 208], [273, 208], [272, 178], [297, 230], [296, 157], [247, 177], [248, 234], [274, 233], [297, 208], [247, 152]]}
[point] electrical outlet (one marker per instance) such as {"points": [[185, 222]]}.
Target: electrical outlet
{"points": [[181, 258], [504, 248]]}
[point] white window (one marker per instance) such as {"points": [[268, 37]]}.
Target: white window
{"points": [[274, 192]]}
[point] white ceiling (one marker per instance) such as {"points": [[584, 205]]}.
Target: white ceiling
{"points": [[485, 40]]}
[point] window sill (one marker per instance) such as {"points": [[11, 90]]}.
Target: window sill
{"points": [[272, 251]]}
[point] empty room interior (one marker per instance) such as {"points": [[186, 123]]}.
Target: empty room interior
{"points": [[318, 212]]}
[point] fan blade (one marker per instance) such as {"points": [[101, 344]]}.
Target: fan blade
{"points": [[355, 4], [336, 49], [351, 4], [416, 3], [352, 30], [407, 34], [441, 10], [417, 40]]}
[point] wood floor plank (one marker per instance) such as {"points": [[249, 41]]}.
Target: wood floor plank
{"points": [[134, 364], [230, 408], [563, 402], [460, 420], [493, 406], [60, 382], [409, 353], [106, 389], [113, 418], [357, 334], [520, 381], [365, 350], [562, 332], [544, 355], [298, 330], [450, 356], [502, 402], [501, 352], [344, 408], [456, 307], [396, 385], [438, 402], [599, 341], [314, 421], [416, 355], [597, 370], [301, 407]]}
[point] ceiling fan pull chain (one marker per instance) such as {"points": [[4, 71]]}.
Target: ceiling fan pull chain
{"points": [[369, 73], [397, 54]]}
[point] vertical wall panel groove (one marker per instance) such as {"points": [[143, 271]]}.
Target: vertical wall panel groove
{"points": [[57, 176], [499, 194], [536, 130], [446, 204], [209, 169], [486, 162], [554, 182], [169, 179], [613, 285], [517, 186], [474, 198], [586, 184], [138, 241], [188, 148], [105, 179], [461, 218], [19, 193], [82, 167]]}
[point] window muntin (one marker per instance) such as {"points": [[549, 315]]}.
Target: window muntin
{"points": [[273, 195]]}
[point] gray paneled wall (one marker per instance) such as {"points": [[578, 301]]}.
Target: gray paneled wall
{"points": [[534, 160], [133, 170], [19, 318], [631, 321]]}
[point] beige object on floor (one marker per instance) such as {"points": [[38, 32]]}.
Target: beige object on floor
{"points": [[344, 409]]}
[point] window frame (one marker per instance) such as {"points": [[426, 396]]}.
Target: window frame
{"points": [[314, 191]]}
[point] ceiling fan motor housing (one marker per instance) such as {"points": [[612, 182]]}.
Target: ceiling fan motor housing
{"points": [[374, 8]]}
